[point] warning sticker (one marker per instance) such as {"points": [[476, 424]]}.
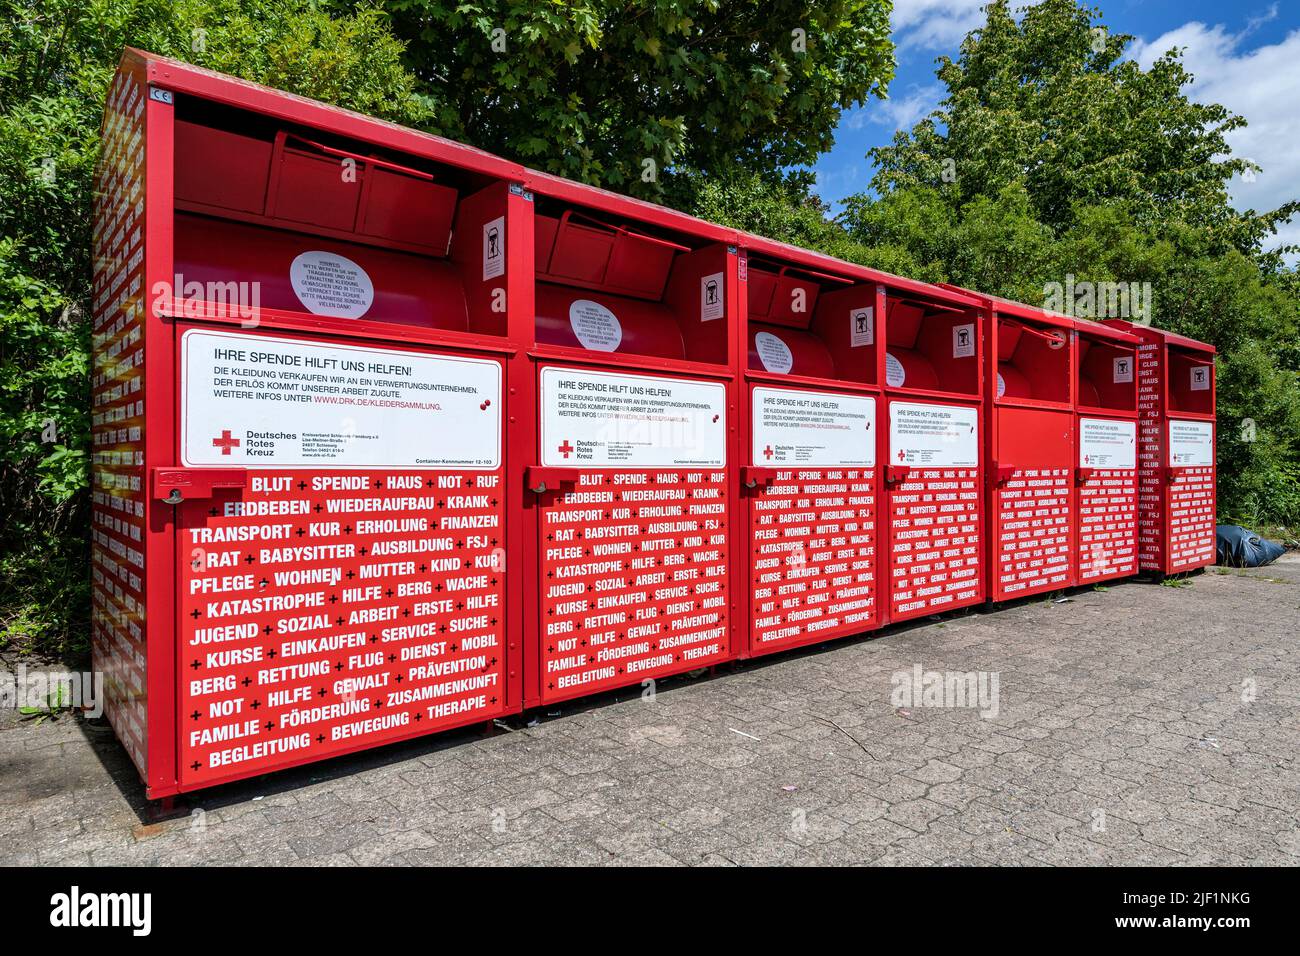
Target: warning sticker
{"points": [[1002, 385], [1123, 369], [1105, 443], [257, 400], [1200, 378], [963, 341], [596, 327], [895, 374], [813, 428], [773, 353], [712, 304], [329, 284], [1191, 444], [604, 419], [933, 436], [862, 326], [494, 248]]}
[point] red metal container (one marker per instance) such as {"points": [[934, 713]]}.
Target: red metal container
{"points": [[1029, 395], [301, 429], [933, 452], [1177, 476], [633, 487], [809, 439], [1105, 478]]}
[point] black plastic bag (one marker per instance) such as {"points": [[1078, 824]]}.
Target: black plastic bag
{"points": [[1238, 548]]}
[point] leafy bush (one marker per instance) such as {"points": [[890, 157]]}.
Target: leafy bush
{"points": [[56, 60]]}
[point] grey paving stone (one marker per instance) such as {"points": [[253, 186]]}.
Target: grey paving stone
{"points": [[1121, 737]]}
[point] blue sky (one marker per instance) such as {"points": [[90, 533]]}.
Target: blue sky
{"points": [[1245, 55]]}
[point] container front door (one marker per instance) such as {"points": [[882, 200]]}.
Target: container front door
{"points": [[1189, 495], [351, 592], [1106, 500], [634, 546], [1030, 530], [813, 532], [934, 500]]}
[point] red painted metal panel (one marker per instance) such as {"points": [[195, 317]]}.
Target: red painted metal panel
{"points": [[153, 243], [326, 608], [1177, 477], [119, 523], [812, 516], [935, 511], [934, 451], [1031, 500], [633, 576], [1106, 498]]}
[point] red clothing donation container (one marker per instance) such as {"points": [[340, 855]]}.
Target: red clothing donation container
{"points": [[1028, 392], [933, 453], [300, 449], [632, 489], [1177, 477], [1105, 486], [809, 437]]}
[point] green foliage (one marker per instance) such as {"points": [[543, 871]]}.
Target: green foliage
{"points": [[592, 89], [1052, 156], [1049, 102], [56, 60]]}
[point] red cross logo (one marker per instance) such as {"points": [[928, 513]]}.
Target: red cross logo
{"points": [[901, 454], [225, 442], [767, 452], [1087, 459], [566, 449]]}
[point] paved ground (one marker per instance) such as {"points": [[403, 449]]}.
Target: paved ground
{"points": [[1142, 724]]}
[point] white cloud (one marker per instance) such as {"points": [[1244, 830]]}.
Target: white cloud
{"points": [[1261, 84], [935, 24], [898, 112]]}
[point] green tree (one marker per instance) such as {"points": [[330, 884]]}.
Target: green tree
{"points": [[1048, 102], [1052, 155], [56, 60], [598, 90]]}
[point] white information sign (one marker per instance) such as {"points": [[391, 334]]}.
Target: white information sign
{"points": [[1123, 369], [329, 284], [596, 327], [1200, 378], [607, 419], [252, 401], [895, 374], [1106, 443], [813, 428], [1191, 444], [773, 353], [933, 436]]}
